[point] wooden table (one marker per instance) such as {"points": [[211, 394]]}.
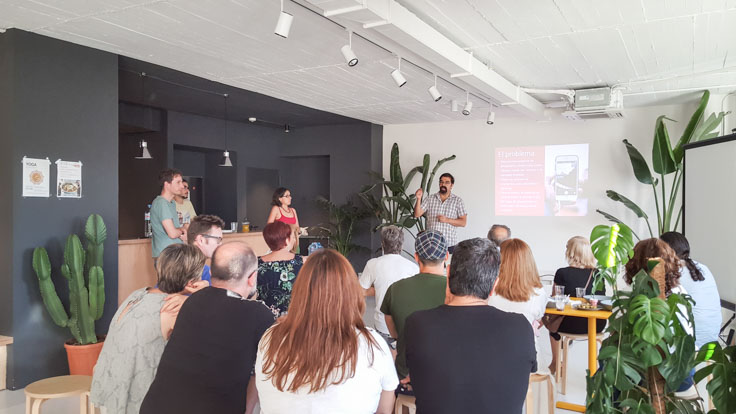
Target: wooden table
{"points": [[592, 316]]}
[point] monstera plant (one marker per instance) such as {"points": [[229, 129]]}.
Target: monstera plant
{"points": [[667, 163]]}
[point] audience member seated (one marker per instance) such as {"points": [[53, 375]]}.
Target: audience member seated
{"points": [[466, 356], [697, 279], [208, 363], [320, 357], [278, 270], [651, 248], [498, 234], [579, 273], [205, 232], [139, 331], [425, 290], [518, 288], [382, 272]]}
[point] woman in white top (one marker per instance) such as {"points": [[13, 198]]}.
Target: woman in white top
{"points": [[697, 279], [320, 357], [518, 288]]}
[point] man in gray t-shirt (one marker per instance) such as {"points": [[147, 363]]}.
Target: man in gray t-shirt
{"points": [[164, 219]]}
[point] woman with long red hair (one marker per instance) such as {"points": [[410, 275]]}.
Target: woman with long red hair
{"points": [[320, 357]]}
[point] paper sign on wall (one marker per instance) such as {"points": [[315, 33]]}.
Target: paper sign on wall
{"points": [[68, 179], [36, 177]]}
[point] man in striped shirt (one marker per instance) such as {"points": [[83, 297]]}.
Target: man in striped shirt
{"points": [[444, 210]]}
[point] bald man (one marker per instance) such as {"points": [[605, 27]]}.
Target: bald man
{"points": [[208, 363]]}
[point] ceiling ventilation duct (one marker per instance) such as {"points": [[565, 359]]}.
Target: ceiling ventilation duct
{"points": [[596, 103]]}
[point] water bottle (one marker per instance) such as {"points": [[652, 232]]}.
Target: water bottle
{"points": [[147, 230], [314, 247]]}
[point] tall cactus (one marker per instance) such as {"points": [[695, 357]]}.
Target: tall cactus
{"points": [[86, 295]]}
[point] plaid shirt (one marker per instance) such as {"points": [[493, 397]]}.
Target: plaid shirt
{"points": [[451, 208]]}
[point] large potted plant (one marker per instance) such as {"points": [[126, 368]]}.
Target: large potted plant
{"points": [[86, 293], [666, 162]]}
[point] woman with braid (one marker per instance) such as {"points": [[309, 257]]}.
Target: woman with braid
{"points": [[697, 279]]}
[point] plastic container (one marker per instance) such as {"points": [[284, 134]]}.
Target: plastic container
{"points": [[245, 228]]}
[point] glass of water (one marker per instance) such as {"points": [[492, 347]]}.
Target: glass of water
{"points": [[560, 302], [559, 290], [579, 292]]}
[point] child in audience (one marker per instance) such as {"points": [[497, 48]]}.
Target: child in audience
{"points": [[320, 357], [140, 329]]}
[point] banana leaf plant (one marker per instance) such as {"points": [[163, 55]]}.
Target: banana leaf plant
{"points": [[612, 246], [647, 354], [666, 161], [395, 206]]}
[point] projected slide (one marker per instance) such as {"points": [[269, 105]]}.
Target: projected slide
{"points": [[542, 181]]}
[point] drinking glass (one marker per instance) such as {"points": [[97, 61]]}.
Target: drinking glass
{"points": [[559, 290], [579, 292], [560, 302]]}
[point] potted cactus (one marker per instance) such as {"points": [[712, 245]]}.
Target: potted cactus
{"points": [[86, 293]]}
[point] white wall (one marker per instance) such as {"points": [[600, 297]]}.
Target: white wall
{"points": [[474, 142]]}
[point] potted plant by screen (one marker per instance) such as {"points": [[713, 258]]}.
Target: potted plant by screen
{"points": [[86, 293]]}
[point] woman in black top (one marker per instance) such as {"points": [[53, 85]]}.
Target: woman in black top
{"points": [[580, 273]]}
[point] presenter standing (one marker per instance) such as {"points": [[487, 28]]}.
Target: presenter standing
{"points": [[282, 211], [444, 210]]}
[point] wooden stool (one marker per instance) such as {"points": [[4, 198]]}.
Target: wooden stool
{"points": [[405, 401], [58, 387], [4, 342], [538, 378], [561, 368]]}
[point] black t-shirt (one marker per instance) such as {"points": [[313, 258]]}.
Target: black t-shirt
{"points": [[209, 358], [573, 277], [469, 359]]}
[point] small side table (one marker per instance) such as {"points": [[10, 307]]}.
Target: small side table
{"points": [[59, 387]]}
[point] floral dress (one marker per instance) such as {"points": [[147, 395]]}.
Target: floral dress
{"points": [[275, 281]]}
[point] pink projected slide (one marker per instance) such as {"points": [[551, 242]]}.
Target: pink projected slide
{"points": [[541, 181]]}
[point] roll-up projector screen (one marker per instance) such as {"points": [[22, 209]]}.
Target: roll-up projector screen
{"points": [[709, 213]]}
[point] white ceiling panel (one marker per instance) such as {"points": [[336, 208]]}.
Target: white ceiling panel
{"points": [[657, 50]]}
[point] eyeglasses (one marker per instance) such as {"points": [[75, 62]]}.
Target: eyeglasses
{"points": [[208, 236]]}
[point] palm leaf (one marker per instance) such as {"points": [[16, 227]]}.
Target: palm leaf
{"points": [[639, 164], [687, 135], [663, 160]]}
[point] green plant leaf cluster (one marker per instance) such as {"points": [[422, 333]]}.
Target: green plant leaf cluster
{"points": [[666, 161], [86, 292], [612, 247], [722, 366], [646, 336], [395, 206], [341, 225]]}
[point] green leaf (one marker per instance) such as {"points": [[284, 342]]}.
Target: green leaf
{"points": [[663, 160], [395, 166], [649, 317], [706, 129], [680, 361], [425, 171], [628, 203], [639, 164], [612, 245], [687, 135], [611, 217], [410, 176]]}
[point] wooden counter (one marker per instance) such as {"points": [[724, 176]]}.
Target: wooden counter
{"points": [[135, 264]]}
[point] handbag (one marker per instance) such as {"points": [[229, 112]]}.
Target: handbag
{"points": [[553, 322]]}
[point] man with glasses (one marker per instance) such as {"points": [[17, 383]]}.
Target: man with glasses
{"points": [[444, 210], [205, 232]]}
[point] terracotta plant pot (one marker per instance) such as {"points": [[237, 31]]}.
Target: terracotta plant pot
{"points": [[82, 358]]}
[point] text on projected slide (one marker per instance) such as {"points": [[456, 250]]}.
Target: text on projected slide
{"points": [[541, 181]]}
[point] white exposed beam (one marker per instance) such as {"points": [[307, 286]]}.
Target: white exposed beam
{"points": [[408, 30]]}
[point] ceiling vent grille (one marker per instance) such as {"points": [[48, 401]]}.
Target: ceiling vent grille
{"points": [[596, 103]]}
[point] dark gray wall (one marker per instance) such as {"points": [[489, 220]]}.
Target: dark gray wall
{"points": [[64, 106], [352, 151], [306, 178], [190, 162], [6, 171]]}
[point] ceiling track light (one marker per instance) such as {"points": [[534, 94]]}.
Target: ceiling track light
{"points": [[468, 104], [145, 154], [491, 117], [347, 52], [283, 25], [252, 119], [434, 92], [398, 77]]}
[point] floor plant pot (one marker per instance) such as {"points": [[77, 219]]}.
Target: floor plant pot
{"points": [[82, 358]]}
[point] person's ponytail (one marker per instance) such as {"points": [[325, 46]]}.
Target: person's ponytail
{"points": [[695, 273]]}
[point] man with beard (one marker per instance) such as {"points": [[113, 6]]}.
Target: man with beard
{"points": [[444, 210]]}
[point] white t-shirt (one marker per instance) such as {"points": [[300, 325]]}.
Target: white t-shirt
{"points": [[381, 273], [533, 309], [707, 308], [357, 395]]}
